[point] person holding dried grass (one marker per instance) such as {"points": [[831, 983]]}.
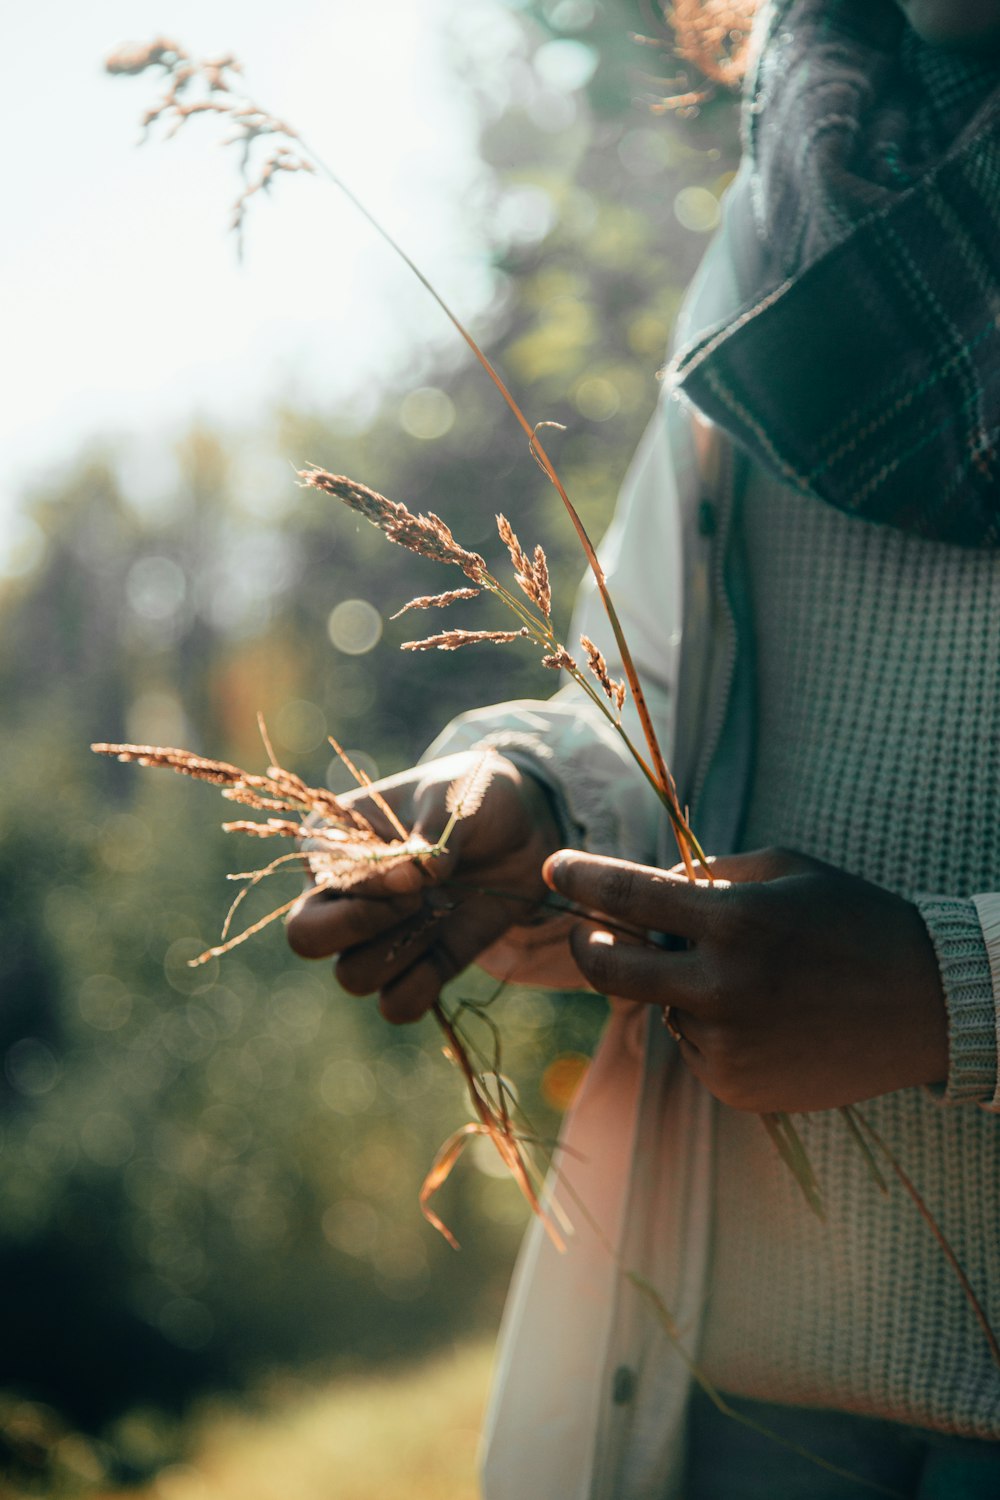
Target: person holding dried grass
{"points": [[806, 558]]}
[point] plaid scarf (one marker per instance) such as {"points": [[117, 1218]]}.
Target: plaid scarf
{"points": [[864, 365]]}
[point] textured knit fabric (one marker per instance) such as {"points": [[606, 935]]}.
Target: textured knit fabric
{"points": [[864, 364], [878, 719]]}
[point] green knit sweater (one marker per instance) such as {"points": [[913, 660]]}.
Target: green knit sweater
{"points": [[878, 716]]}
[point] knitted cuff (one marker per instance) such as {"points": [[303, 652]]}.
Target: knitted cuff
{"points": [[957, 935]]}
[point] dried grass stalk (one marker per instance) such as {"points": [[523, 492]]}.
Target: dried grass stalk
{"points": [[339, 847], [560, 660], [532, 574], [428, 535], [436, 601], [615, 691], [452, 640], [211, 86]]}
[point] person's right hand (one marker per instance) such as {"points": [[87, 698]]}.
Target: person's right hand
{"points": [[404, 934]]}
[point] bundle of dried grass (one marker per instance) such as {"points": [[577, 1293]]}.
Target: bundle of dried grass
{"points": [[338, 847]]}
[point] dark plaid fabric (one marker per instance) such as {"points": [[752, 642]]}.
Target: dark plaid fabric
{"points": [[864, 365]]}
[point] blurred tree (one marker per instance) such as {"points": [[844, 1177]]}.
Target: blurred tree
{"points": [[207, 1170]]}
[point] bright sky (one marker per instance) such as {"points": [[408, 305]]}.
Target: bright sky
{"points": [[122, 307]]}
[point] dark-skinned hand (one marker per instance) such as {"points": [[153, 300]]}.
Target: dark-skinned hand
{"points": [[796, 986], [403, 935]]}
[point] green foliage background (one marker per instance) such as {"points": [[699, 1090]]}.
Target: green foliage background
{"points": [[207, 1172]]}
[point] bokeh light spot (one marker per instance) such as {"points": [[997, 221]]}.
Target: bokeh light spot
{"points": [[104, 1002], [31, 1067], [525, 215], [565, 64], [177, 966], [354, 627], [697, 209], [155, 588], [571, 15], [427, 413], [300, 726], [597, 399], [562, 1078], [487, 1158], [347, 1086]]}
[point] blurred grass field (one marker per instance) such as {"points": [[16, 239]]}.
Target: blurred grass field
{"points": [[408, 1434]]}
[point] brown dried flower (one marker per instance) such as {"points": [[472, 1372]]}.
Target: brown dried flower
{"points": [[560, 660], [427, 535], [615, 691]]}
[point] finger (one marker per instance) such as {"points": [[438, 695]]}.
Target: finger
{"points": [[370, 966], [323, 923], [473, 928], [648, 898], [636, 971]]}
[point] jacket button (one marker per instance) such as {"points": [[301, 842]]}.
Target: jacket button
{"points": [[623, 1385], [706, 518]]}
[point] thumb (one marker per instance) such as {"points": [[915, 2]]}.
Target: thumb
{"points": [[429, 823]]}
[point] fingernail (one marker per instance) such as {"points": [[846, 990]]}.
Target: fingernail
{"points": [[552, 869]]}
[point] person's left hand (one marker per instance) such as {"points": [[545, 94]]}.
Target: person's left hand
{"points": [[800, 987]]}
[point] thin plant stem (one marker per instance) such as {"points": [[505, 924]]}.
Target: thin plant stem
{"points": [[935, 1229], [662, 780]]}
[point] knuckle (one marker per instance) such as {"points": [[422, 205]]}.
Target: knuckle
{"points": [[595, 960], [616, 888]]}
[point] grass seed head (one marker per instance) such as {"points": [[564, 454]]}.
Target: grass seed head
{"points": [[465, 795], [532, 574], [436, 601], [427, 535], [451, 640], [615, 691], [560, 659]]}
